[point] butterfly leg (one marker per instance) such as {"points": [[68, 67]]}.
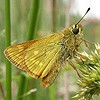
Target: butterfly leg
{"points": [[87, 42], [70, 63]]}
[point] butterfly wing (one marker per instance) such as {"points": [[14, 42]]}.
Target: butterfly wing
{"points": [[39, 58]]}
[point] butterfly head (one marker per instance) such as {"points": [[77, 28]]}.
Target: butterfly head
{"points": [[76, 29]]}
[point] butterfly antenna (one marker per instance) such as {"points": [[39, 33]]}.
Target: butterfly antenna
{"points": [[83, 16]]}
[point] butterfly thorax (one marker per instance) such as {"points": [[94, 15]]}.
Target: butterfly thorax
{"points": [[71, 40]]}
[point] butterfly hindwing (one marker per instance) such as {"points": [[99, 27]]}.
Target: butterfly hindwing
{"points": [[52, 74]]}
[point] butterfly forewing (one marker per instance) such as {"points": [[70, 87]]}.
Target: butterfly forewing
{"points": [[37, 57]]}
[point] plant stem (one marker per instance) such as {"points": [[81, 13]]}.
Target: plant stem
{"points": [[54, 15], [33, 19], [21, 87], [31, 32], [8, 41]]}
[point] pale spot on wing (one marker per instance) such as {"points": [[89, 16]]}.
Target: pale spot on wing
{"points": [[40, 64], [36, 62], [36, 52]]}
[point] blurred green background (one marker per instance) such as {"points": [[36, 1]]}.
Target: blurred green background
{"points": [[42, 18]]}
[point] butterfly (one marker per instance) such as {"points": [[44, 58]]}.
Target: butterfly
{"points": [[44, 57]]}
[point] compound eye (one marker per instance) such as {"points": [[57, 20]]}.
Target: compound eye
{"points": [[75, 30]]}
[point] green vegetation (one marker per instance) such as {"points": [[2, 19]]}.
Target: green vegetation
{"points": [[8, 41], [90, 74]]}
